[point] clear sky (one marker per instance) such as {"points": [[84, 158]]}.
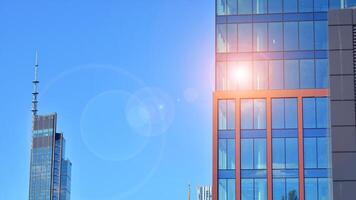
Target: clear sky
{"points": [[131, 82]]}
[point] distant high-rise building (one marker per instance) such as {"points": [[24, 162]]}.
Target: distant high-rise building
{"points": [[50, 173], [204, 193]]}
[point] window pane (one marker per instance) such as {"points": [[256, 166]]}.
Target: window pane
{"points": [[231, 154], [222, 154], [322, 112], [221, 75], [231, 190], [231, 38], [306, 35], [259, 114], [321, 35], [290, 6], [278, 153], [260, 189], [324, 189], [323, 153], [321, 66], [309, 111], [230, 114], [220, 7], [307, 74], [260, 37], [350, 3], [259, 6], [260, 79], [231, 7], [305, 5], [276, 74], [292, 188], [244, 68], [291, 153], [291, 112], [335, 4], [222, 115], [275, 6], [320, 5], [232, 82], [277, 113], [279, 189], [221, 38], [222, 189], [245, 37], [275, 37], [246, 114], [246, 153], [260, 154], [311, 189], [310, 153], [246, 189], [291, 74], [290, 36], [245, 6]]}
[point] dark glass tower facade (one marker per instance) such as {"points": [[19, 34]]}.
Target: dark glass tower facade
{"points": [[50, 173], [271, 107]]}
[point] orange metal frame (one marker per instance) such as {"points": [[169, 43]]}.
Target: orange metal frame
{"points": [[268, 95]]}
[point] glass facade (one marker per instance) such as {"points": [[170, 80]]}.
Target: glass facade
{"points": [[49, 172], [271, 98]]}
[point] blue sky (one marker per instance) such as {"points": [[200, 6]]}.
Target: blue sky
{"points": [[131, 82]]}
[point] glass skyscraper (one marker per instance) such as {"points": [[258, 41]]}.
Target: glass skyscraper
{"points": [[50, 173], [270, 108]]}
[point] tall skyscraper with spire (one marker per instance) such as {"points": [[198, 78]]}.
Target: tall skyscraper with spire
{"points": [[50, 172]]}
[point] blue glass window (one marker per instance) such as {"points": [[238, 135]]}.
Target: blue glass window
{"points": [[309, 113], [259, 6], [290, 36], [278, 153], [231, 38], [222, 115], [222, 154], [227, 189], [310, 153], [291, 113], [222, 189], [275, 37], [244, 6], [324, 189], [260, 154], [322, 112], [323, 153], [320, 5], [246, 114], [291, 74], [275, 6], [305, 5], [279, 189], [291, 153], [306, 35], [260, 37], [221, 76], [350, 3], [245, 37], [260, 79], [230, 114], [237, 83], [292, 188], [259, 117], [321, 68], [321, 35], [277, 113], [276, 80], [335, 4], [260, 189], [246, 153], [290, 6], [231, 189], [247, 189], [220, 7], [221, 38], [307, 74], [231, 7], [231, 154], [311, 189]]}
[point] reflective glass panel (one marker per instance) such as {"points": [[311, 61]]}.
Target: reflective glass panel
{"points": [[275, 37], [305, 5], [260, 154], [222, 115], [221, 38], [307, 74], [222, 154], [277, 113], [260, 79], [246, 114], [220, 7], [321, 68], [245, 37], [231, 154], [279, 189], [231, 7], [260, 37], [306, 35], [244, 6], [278, 153], [291, 74], [275, 6], [221, 75], [276, 74], [259, 6], [230, 114], [246, 189], [231, 38], [324, 189], [246, 153], [322, 112], [290, 6], [323, 153], [231, 189], [291, 153], [320, 5], [260, 189], [310, 153], [311, 189], [291, 113], [321, 34], [290, 36], [259, 114], [292, 188], [222, 189], [309, 111]]}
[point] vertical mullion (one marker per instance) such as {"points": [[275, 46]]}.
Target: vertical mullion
{"points": [[269, 147], [238, 148], [301, 148]]}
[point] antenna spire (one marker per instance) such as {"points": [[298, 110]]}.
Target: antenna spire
{"points": [[35, 83]]}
